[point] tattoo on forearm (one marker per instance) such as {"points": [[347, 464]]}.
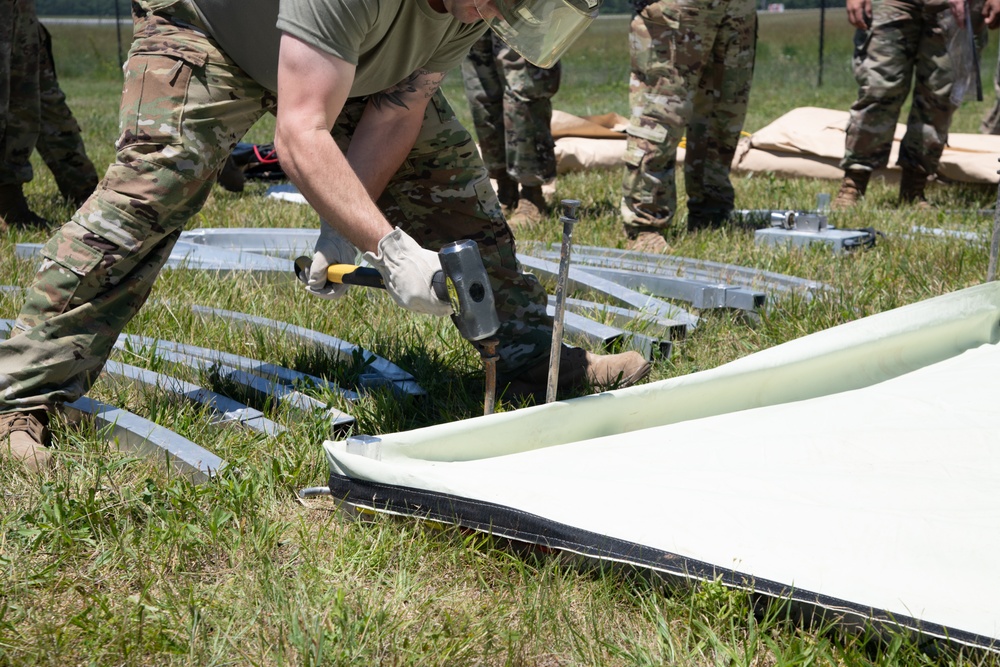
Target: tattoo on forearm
{"points": [[422, 84]]}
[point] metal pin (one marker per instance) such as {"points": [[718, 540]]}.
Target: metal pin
{"points": [[568, 219]]}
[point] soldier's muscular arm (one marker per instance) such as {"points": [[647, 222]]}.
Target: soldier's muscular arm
{"points": [[859, 13], [389, 127], [312, 89]]}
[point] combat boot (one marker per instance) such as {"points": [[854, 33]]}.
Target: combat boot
{"points": [[852, 189], [580, 371], [232, 176], [911, 189], [507, 194], [531, 208], [14, 211], [24, 437], [648, 242]]}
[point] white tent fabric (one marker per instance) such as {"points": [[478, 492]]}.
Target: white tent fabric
{"points": [[856, 469], [805, 142]]}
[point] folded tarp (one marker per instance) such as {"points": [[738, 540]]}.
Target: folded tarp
{"points": [[805, 142], [856, 469]]}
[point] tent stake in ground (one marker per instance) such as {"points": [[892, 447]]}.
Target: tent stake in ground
{"points": [[568, 219]]}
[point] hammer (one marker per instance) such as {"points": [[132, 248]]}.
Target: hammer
{"points": [[462, 281]]}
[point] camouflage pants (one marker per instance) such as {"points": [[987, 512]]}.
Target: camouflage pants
{"points": [[991, 121], [33, 110], [907, 42], [59, 142], [19, 95], [185, 105], [692, 66], [503, 86]]}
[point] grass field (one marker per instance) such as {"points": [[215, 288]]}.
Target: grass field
{"points": [[109, 561]]}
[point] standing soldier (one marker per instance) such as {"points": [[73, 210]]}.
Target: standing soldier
{"points": [[692, 66], [511, 103], [896, 42]]}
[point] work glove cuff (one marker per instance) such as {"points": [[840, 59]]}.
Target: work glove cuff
{"points": [[408, 271]]}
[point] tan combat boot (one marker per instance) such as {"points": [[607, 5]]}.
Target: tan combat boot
{"points": [[531, 208], [581, 371], [14, 211], [649, 242], [911, 189], [852, 189], [24, 437]]}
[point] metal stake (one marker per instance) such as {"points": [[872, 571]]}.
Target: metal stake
{"points": [[568, 219], [490, 356]]}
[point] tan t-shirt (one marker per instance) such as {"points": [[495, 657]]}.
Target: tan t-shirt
{"points": [[387, 39]]}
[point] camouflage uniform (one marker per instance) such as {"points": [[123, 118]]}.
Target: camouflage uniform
{"points": [[185, 105], [692, 66], [59, 142], [991, 121], [500, 84], [35, 115], [908, 39], [19, 99]]}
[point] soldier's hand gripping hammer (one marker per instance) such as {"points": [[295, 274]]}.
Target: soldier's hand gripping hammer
{"points": [[568, 218], [462, 281]]}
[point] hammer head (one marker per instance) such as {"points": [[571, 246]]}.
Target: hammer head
{"points": [[476, 314]]}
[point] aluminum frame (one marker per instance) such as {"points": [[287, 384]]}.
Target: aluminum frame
{"points": [[284, 394]]}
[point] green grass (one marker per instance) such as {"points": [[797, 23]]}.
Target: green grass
{"points": [[110, 561]]}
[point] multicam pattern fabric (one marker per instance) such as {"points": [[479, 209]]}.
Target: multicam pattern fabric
{"points": [[99, 268], [907, 42], [692, 66], [19, 97], [991, 121], [511, 103], [59, 142]]}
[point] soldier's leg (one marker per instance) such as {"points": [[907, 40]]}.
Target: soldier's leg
{"points": [[20, 121], [527, 109], [6, 52], [720, 107], [20, 129], [667, 51], [59, 142], [484, 84], [184, 106], [883, 68], [932, 108], [531, 150], [991, 121]]}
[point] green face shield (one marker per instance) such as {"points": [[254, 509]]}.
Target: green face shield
{"points": [[539, 30]]}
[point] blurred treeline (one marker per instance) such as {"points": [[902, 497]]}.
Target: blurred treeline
{"points": [[109, 8]]}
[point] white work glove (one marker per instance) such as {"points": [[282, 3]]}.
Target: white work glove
{"points": [[331, 248], [408, 270]]}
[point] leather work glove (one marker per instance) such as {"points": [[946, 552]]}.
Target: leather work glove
{"points": [[331, 248], [408, 270]]}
